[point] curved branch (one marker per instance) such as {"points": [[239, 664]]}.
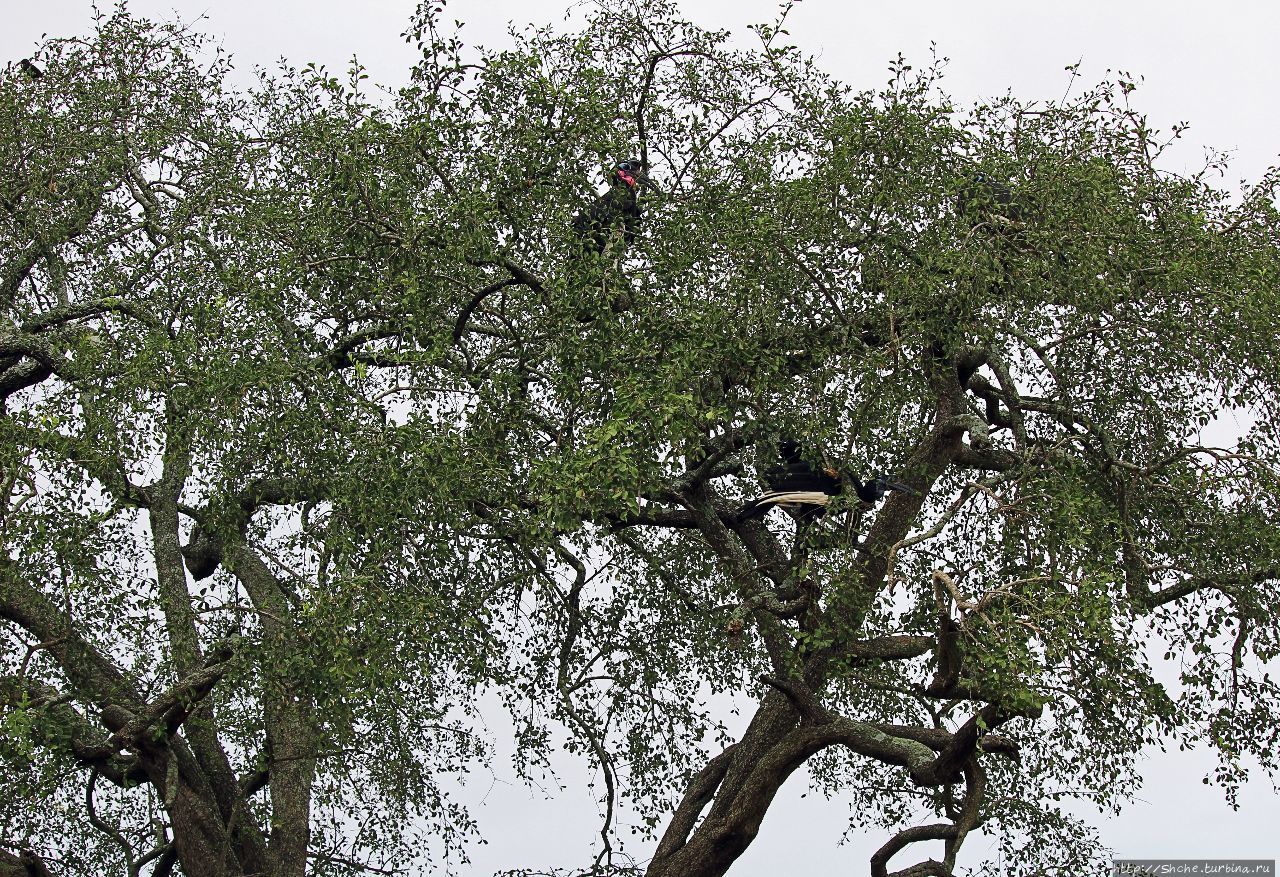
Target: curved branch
{"points": [[701, 789], [95, 307], [460, 325], [802, 698], [936, 831], [566, 688], [735, 819], [647, 87], [1012, 398], [110, 831]]}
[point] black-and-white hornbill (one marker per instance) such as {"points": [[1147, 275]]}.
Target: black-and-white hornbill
{"points": [[616, 213], [805, 492], [986, 201], [29, 69]]}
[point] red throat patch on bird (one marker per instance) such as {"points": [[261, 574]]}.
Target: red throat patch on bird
{"points": [[627, 178]]}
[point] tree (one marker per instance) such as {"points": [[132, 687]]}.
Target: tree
{"points": [[320, 423]]}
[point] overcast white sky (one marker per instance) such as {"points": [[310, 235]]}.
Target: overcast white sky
{"points": [[1215, 65]]}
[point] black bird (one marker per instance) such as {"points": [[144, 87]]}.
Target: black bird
{"points": [[617, 211], [804, 492], [27, 66], [986, 201], [872, 491]]}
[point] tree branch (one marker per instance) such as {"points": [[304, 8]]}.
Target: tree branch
{"points": [[91, 673], [25, 864], [171, 709]]}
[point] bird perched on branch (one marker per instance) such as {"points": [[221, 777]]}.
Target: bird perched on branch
{"points": [[986, 201], [616, 213], [29, 69], [805, 492]]}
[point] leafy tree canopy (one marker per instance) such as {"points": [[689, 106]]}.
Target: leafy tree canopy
{"points": [[320, 422]]}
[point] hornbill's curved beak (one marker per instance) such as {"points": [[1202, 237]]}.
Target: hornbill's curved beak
{"points": [[643, 179]]}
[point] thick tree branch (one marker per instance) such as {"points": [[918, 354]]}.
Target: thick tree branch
{"points": [[928, 868], [61, 727], [699, 791], [20, 375], [290, 720], [653, 516], [735, 818], [171, 709], [25, 864], [890, 648], [226, 519], [93, 676]]}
